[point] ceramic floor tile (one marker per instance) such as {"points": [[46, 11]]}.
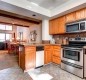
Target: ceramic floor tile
{"points": [[9, 70]]}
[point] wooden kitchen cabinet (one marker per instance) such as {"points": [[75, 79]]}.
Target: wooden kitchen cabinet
{"points": [[70, 17], [56, 56], [53, 24], [47, 54], [85, 12], [30, 57], [22, 58], [56, 60], [61, 25], [57, 26], [52, 54], [51, 29], [80, 14], [27, 57]]}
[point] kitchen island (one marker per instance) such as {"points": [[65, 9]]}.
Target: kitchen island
{"points": [[27, 55]]}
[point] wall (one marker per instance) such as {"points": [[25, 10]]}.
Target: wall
{"points": [[38, 28], [45, 30], [25, 31], [59, 38]]}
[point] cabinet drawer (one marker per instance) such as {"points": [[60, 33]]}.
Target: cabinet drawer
{"points": [[57, 47], [56, 53], [48, 47], [30, 49], [56, 60]]}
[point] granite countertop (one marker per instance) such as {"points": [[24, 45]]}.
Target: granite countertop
{"points": [[38, 44]]}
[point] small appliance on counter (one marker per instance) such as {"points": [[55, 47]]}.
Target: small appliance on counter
{"points": [[62, 40], [65, 41], [52, 41]]}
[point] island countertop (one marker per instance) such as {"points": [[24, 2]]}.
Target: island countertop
{"points": [[38, 44]]}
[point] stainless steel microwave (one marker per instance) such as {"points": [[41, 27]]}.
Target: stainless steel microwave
{"points": [[76, 27]]}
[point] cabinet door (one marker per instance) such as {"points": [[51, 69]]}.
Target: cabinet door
{"points": [[56, 53], [80, 14], [56, 26], [22, 59], [51, 27], [53, 24], [85, 12], [61, 25], [70, 17], [56, 60], [30, 58], [48, 56]]}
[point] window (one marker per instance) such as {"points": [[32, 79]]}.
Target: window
{"points": [[8, 27], [2, 27], [8, 36], [5, 27], [2, 37], [5, 35]]}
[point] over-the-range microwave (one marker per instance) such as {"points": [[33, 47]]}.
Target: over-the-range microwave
{"points": [[76, 27]]}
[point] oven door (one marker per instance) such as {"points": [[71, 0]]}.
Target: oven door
{"points": [[73, 56]]}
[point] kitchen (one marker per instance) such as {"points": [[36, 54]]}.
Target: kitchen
{"points": [[42, 41]]}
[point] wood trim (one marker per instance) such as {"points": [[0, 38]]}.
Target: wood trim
{"points": [[17, 16]]}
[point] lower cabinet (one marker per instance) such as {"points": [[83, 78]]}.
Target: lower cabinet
{"points": [[52, 54], [27, 57], [56, 59], [48, 54]]}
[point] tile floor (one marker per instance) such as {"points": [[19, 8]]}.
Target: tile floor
{"points": [[9, 70]]}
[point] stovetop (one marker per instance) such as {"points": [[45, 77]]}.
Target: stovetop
{"points": [[75, 44]]}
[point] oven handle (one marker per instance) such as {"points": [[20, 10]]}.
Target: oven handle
{"points": [[79, 50]]}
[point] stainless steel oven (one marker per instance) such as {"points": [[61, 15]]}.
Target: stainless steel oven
{"points": [[72, 61], [73, 55]]}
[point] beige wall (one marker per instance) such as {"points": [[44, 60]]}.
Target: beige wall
{"points": [[38, 28], [26, 33]]}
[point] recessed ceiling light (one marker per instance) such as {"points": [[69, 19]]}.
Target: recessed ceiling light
{"points": [[33, 15], [34, 4]]}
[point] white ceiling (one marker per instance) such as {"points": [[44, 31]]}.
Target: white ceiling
{"points": [[49, 4], [43, 9]]}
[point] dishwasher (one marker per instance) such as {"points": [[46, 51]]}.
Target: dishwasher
{"points": [[39, 56]]}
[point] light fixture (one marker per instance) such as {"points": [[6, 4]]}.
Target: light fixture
{"points": [[33, 15]]}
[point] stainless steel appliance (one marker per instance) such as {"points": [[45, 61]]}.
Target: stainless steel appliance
{"points": [[73, 57], [76, 27]]}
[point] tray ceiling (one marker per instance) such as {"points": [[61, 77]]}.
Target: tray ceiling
{"points": [[49, 4]]}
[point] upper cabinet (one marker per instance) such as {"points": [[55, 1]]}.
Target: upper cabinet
{"points": [[77, 15], [61, 25], [57, 26], [53, 26], [80, 14], [70, 17], [51, 31]]}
